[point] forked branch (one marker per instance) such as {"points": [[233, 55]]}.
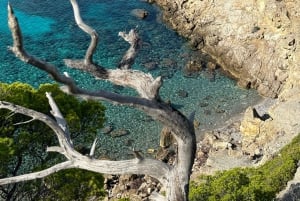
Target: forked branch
{"points": [[133, 39], [154, 168], [143, 83], [175, 178]]}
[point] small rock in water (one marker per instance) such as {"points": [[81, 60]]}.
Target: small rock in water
{"points": [[119, 133], [168, 63], [211, 65], [140, 13], [207, 112], [219, 110], [182, 93], [192, 68], [107, 129], [150, 65], [129, 142], [203, 104]]}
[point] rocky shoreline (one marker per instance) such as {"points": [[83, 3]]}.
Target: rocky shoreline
{"points": [[254, 41], [257, 43]]}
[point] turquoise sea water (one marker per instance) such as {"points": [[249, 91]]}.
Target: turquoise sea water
{"points": [[50, 33]]}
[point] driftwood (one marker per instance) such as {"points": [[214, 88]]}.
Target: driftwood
{"points": [[174, 177]]}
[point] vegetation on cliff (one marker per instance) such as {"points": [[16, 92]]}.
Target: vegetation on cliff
{"points": [[251, 184]]}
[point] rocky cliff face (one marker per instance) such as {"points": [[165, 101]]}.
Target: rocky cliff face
{"points": [[256, 41]]}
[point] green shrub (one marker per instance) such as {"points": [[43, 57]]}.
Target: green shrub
{"points": [[22, 146], [74, 184], [250, 184]]}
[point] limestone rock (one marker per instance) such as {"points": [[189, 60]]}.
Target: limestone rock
{"points": [[257, 42], [250, 126]]}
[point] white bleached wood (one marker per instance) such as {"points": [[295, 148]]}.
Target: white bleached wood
{"points": [[93, 147], [39, 174], [152, 167], [175, 178], [133, 39], [58, 117], [88, 59]]}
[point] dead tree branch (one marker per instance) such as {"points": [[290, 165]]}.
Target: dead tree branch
{"points": [[133, 39], [154, 168], [175, 178], [88, 59]]}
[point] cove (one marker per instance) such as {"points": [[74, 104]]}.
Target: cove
{"points": [[51, 33]]}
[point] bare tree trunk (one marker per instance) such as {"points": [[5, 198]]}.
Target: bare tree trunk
{"points": [[175, 178]]}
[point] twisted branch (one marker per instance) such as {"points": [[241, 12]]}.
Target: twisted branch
{"points": [[88, 59], [175, 178], [152, 167]]}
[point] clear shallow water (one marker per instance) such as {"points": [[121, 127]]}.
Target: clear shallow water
{"points": [[51, 33]]}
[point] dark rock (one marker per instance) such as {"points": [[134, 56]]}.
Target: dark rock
{"points": [[168, 63], [107, 129], [219, 110], [197, 43], [207, 112], [203, 104], [129, 142], [182, 93], [119, 133], [150, 65], [140, 13], [211, 65], [192, 68]]}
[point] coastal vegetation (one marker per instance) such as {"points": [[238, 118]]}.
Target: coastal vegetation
{"points": [[69, 150], [23, 142], [251, 184]]}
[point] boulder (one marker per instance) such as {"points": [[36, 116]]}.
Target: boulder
{"points": [[250, 126], [140, 13], [192, 68]]}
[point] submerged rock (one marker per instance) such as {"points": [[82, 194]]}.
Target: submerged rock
{"points": [[150, 65], [182, 93], [107, 129], [140, 13], [119, 133]]}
